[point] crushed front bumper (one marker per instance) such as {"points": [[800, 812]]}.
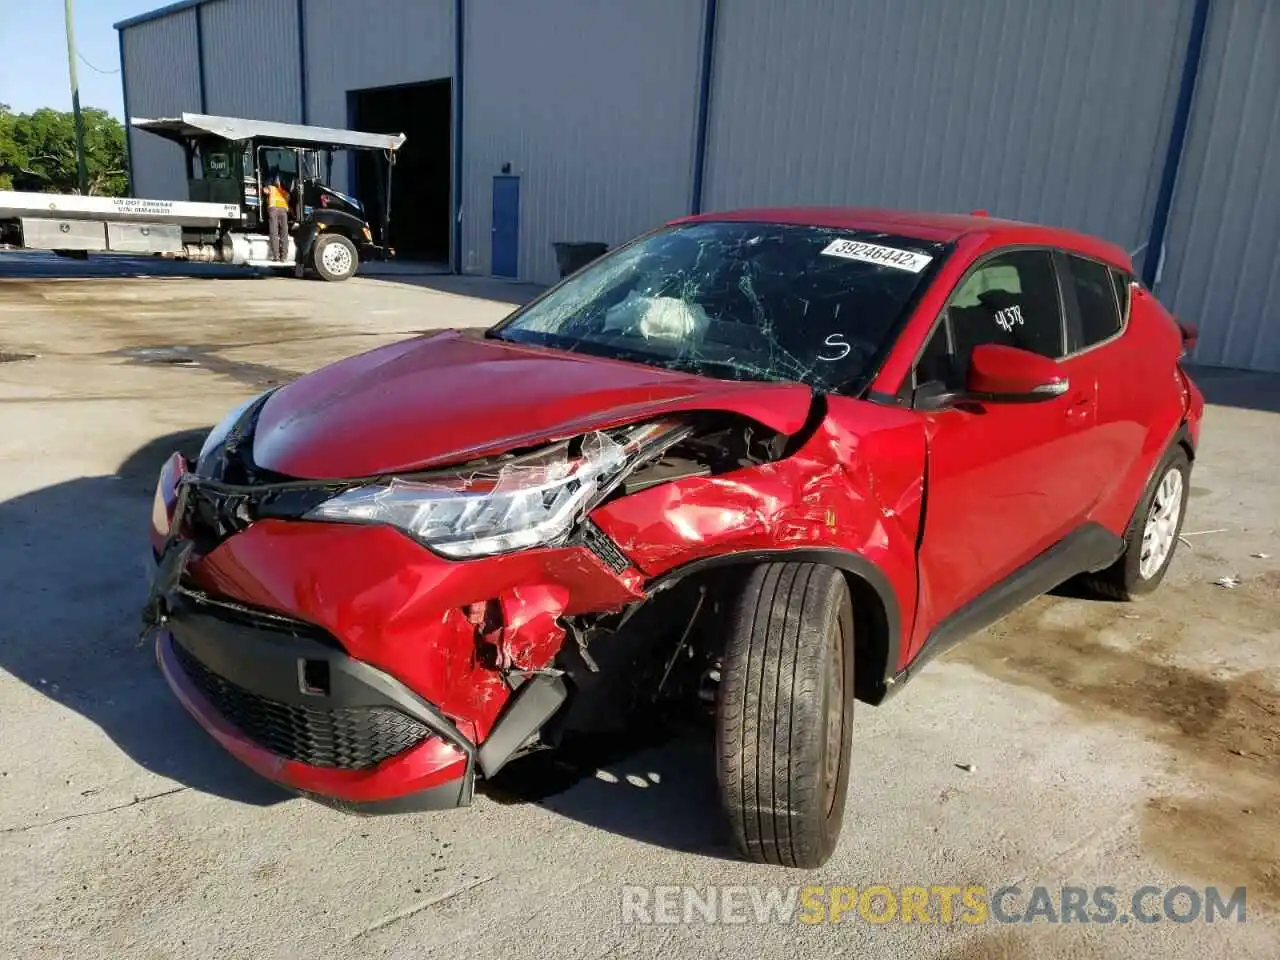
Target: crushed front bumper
{"points": [[347, 662], [287, 702]]}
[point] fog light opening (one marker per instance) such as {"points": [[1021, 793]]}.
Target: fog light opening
{"points": [[313, 677]]}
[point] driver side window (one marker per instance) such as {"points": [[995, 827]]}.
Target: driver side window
{"points": [[1012, 299], [281, 162]]}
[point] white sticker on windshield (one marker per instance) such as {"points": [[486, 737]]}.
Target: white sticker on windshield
{"points": [[871, 253]]}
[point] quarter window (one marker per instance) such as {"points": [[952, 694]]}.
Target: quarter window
{"points": [[1096, 298], [1121, 282]]}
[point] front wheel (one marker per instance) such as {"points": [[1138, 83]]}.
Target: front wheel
{"points": [[334, 257], [784, 720]]}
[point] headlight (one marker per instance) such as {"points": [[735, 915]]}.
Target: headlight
{"points": [[531, 501], [218, 435]]}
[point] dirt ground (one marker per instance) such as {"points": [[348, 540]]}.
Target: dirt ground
{"points": [[1077, 742]]}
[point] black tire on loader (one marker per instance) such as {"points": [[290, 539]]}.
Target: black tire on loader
{"points": [[784, 718]]}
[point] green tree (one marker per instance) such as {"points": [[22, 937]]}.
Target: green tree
{"points": [[7, 152], [38, 152]]}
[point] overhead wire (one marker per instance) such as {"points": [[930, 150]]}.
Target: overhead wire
{"points": [[92, 67]]}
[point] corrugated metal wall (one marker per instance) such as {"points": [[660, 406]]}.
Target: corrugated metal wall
{"points": [[1035, 109], [163, 80], [251, 59], [376, 43], [1048, 111], [1222, 254], [593, 106]]}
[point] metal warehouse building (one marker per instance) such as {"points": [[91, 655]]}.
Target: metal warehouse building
{"points": [[1153, 123]]}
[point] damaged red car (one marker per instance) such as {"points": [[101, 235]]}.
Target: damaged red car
{"points": [[766, 462]]}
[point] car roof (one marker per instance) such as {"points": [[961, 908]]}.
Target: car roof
{"points": [[937, 227]]}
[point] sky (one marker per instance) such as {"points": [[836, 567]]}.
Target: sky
{"points": [[33, 53]]}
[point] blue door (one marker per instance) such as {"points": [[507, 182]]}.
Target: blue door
{"points": [[505, 253]]}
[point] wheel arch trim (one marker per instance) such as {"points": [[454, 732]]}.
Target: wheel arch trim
{"points": [[1184, 438], [851, 564]]}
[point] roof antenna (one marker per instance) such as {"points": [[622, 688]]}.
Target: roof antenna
{"points": [[979, 213]]}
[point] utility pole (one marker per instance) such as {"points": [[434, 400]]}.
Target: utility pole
{"points": [[81, 172]]}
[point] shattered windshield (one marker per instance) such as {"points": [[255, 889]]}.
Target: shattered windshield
{"points": [[739, 301]]}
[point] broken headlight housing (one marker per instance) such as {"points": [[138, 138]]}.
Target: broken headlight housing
{"points": [[526, 501], [217, 437]]}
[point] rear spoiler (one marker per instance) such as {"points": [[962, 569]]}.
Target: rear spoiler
{"points": [[1190, 334]]}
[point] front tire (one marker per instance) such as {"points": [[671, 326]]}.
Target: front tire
{"points": [[784, 720], [1152, 537], [334, 257]]}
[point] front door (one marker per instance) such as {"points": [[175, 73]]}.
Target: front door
{"points": [[1005, 480], [505, 249]]}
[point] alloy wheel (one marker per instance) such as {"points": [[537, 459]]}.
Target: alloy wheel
{"points": [[1161, 531]]}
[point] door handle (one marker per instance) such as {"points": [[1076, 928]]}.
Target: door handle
{"points": [[1079, 406]]}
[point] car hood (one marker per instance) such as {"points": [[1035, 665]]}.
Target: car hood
{"points": [[452, 397]]}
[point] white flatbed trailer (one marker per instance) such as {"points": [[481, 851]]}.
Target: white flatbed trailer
{"points": [[128, 209], [132, 226], [232, 233], [128, 225]]}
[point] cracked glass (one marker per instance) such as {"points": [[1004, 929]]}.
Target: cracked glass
{"points": [[737, 301]]}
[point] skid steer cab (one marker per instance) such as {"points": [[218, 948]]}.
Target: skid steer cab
{"points": [[231, 161]]}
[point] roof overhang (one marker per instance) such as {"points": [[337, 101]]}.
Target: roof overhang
{"points": [[191, 125], [158, 14]]}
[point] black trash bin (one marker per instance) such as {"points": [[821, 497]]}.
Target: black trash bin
{"points": [[571, 257]]}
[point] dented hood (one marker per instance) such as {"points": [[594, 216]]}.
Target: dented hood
{"points": [[452, 397]]}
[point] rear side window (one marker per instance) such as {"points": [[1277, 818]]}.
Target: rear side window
{"points": [[1095, 290]]}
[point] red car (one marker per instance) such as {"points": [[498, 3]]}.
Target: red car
{"points": [[765, 461]]}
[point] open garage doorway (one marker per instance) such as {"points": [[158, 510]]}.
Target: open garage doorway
{"points": [[420, 211]]}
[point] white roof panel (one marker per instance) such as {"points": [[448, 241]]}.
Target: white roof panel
{"points": [[237, 128]]}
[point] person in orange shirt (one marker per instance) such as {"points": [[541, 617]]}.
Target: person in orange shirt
{"points": [[277, 218]]}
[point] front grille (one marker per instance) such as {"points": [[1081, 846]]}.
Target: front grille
{"points": [[348, 738], [229, 611]]}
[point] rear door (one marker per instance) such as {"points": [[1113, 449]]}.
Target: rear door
{"points": [[1108, 366], [1005, 481]]}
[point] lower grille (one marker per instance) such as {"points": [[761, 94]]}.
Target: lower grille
{"points": [[606, 551], [347, 738]]}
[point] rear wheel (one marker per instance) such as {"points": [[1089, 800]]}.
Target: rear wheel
{"points": [[784, 722], [334, 257], [1152, 537]]}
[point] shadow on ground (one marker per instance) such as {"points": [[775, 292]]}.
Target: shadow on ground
{"points": [[484, 288], [1245, 389], [75, 558], [647, 785], [38, 265], [78, 556]]}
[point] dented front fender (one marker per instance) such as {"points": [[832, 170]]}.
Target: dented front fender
{"points": [[855, 486]]}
